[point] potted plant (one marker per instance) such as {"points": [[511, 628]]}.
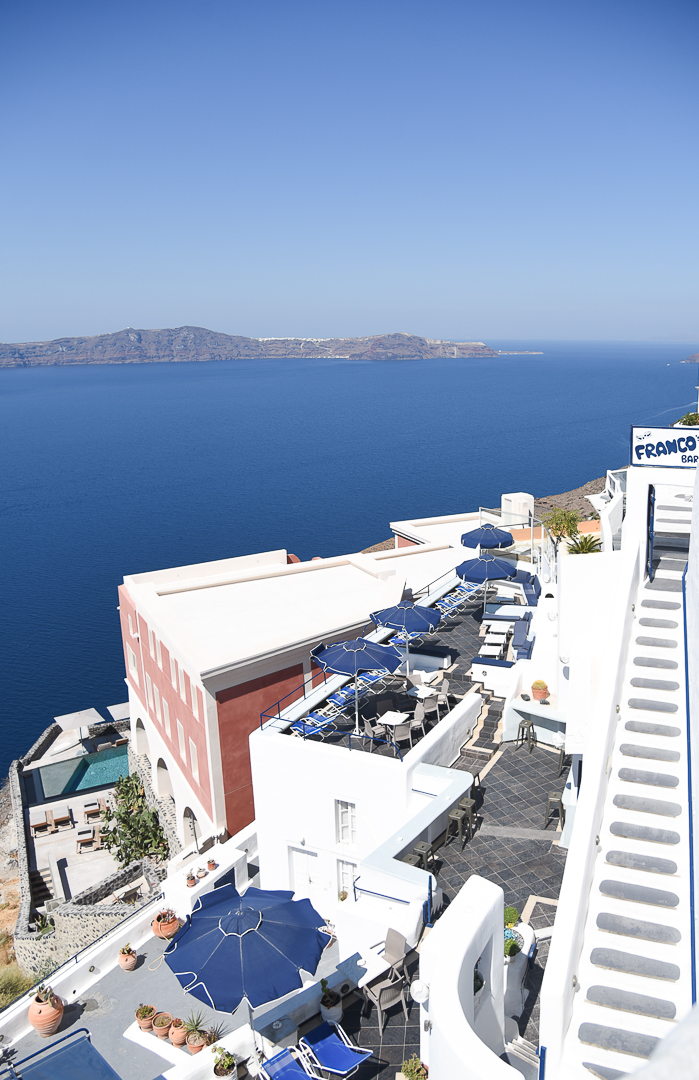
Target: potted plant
{"points": [[45, 1011], [177, 1033], [191, 880], [144, 1016], [165, 924], [211, 864], [330, 1004], [539, 690], [226, 1063], [127, 958], [511, 949], [412, 1069], [161, 1024], [511, 917], [195, 1032], [343, 894], [201, 872]]}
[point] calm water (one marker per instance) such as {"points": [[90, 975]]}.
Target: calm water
{"points": [[115, 470]]}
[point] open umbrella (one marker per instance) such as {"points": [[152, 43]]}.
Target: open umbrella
{"points": [[251, 947], [351, 657], [486, 568], [487, 536], [407, 618]]}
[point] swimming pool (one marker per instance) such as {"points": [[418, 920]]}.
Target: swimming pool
{"points": [[101, 769]]}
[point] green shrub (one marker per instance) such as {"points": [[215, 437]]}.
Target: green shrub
{"points": [[12, 984], [511, 916], [511, 947], [131, 831], [585, 544], [413, 1069], [690, 419]]}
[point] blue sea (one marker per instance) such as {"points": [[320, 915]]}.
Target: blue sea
{"points": [[116, 470]]}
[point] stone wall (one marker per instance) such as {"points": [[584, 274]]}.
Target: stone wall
{"points": [[165, 807]]}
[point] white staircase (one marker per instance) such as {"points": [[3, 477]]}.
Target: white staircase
{"points": [[634, 977]]}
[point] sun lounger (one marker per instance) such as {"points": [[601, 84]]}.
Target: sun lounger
{"points": [[105, 745], [83, 838], [313, 724], [38, 821], [61, 816], [285, 1067], [491, 661], [121, 742], [328, 1049]]}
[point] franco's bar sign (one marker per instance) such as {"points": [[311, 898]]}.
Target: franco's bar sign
{"points": [[675, 447]]}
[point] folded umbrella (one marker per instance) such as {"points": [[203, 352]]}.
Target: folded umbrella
{"points": [[487, 536]]}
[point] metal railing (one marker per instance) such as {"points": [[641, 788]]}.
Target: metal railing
{"points": [[690, 816], [308, 687]]}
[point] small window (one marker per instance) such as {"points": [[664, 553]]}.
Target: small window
{"points": [[159, 654], [130, 626], [183, 691], [166, 717], [151, 643], [149, 690], [133, 666], [195, 699], [346, 876], [173, 672], [156, 698], [180, 740], [345, 816], [193, 760]]}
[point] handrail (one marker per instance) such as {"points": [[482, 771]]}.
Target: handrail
{"points": [[371, 892], [271, 714], [12, 1065], [353, 735], [689, 793]]}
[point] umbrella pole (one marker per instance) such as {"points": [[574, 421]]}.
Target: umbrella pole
{"points": [[356, 706]]}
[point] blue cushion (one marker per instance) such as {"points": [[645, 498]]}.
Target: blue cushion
{"points": [[484, 661], [284, 1067], [332, 1053]]}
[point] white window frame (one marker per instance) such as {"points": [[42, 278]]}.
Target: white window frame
{"points": [[183, 686], [149, 691], [133, 664], [156, 698], [345, 821], [195, 699], [346, 876], [173, 672], [130, 625], [159, 653], [151, 643], [193, 760], [166, 717], [181, 740]]}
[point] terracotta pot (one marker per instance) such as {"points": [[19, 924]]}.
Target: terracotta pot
{"points": [[177, 1035], [146, 1022], [161, 1030], [211, 864], [45, 1016], [191, 882], [195, 1047], [539, 695], [218, 1071], [201, 873], [165, 929], [128, 961]]}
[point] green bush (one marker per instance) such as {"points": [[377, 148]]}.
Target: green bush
{"points": [[12, 984], [585, 544], [511, 947], [511, 916], [131, 831], [413, 1069], [690, 419]]}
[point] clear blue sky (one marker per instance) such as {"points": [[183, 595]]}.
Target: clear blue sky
{"points": [[491, 169]]}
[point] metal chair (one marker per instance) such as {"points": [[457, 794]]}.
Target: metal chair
{"points": [[425, 851], [555, 802], [469, 806], [562, 759], [411, 860], [384, 995], [455, 826], [526, 733]]}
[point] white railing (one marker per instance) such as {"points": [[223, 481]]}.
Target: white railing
{"points": [[566, 945]]}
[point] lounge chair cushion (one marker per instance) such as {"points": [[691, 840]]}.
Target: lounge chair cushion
{"points": [[332, 1053], [488, 661], [284, 1067]]}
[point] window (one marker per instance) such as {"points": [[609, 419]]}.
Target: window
{"points": [[156, 697], [133, 666], [346, 876], [159, 654], [183, 692], [173, 672], [180, 739], [345, 816], [151, 642], [195, 699], [149, 690], [193, 760], [166, 717], [130, 625]]}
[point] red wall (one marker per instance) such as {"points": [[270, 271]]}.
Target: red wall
{"points": [[239, 711], [402, 542]]}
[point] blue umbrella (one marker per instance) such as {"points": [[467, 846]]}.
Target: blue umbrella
{"points": [[408, 618], [487, 536], [351, 657], [253, 946], [486, 568]]}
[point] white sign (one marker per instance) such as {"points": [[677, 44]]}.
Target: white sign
{"points": [[675, 448]]}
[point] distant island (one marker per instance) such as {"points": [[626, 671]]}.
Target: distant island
{"points": [[693, 359], [187, 343]]}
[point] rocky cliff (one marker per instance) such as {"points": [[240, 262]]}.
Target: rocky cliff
{"points": [[196, 343]]}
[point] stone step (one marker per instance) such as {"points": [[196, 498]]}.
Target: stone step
{"points": [[665, 624], [624, 1042], [640, 1004], [630, 831], [631, 861], [656, 662], [633, 964], [665, 562], [641, 727], [664, 585], [656, 642], [662, 605], [647, 806], [603, 1071], [638, 928], [643, 776], [651, 752], [638, 894], [652, 706], [655, 684]]}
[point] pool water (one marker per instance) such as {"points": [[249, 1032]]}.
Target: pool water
{"points": [[101, 769]]}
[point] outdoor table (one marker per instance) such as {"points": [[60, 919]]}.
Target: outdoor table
{"points": [[365, 968], [491, 650], [495, 639], [393, 718], [423, 692]]}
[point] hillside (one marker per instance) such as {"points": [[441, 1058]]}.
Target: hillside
{"points": [[196, 343]]}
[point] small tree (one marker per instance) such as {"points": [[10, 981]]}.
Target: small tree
{"points": [[585, 544], [561, 523], [131, 830]]}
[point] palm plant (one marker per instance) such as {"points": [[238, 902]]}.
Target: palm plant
{"points": [[584, 544]]}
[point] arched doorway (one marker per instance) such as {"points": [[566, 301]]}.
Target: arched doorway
{"points": [[163, 780], [140, 738], [190, 828]]}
